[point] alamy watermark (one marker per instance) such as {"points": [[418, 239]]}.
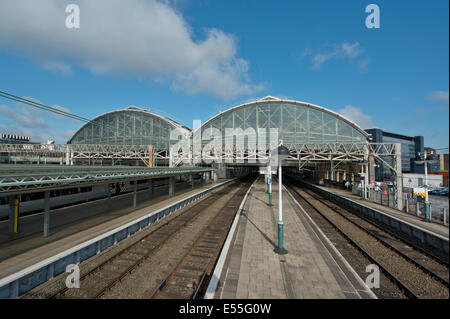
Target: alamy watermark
{"points": [[227, 145], [373, 279], [373, 19], [73, 19], [73, 279]]}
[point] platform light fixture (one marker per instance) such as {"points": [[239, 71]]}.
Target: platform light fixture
{"points": [[419, 161], [281, 153], [363, 163]]}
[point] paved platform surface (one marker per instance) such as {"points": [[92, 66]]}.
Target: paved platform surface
{"points": [[254, 270], [99, 217], [408, 217]]}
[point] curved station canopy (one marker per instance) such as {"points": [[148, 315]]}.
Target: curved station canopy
{"points": [[318, 138], [250, 132], [130, 126], [297, 122]]}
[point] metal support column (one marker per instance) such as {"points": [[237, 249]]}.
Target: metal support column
{"points": [[171, 186], [280, 249], [266, 182], [13, 214], [398, 189], [46, 213], [68, 154], [332, 171], [191, 180], [371, 169], [269, 184], [134, 194], [150, 187], [108, 191]]}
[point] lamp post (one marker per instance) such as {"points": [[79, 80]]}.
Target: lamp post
{"points": [[269, 181], [362, 177], [425, 161], [282, 152]]}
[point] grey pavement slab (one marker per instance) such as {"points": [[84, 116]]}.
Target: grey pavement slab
{"points": [[408, 217], [93, 219], [254, 270]]}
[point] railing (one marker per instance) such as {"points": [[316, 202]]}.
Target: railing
{"points": [[19, 179]]}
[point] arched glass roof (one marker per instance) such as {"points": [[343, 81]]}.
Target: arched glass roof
{"points": [[130, 126], [298, 122]]}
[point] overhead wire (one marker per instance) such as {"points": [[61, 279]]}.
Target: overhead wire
{"points": [[42, 106]]}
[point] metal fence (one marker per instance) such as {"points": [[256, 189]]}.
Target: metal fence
{"points": [[383, 194]]}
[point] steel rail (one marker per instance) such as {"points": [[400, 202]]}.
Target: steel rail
{"points": [[192, 247], [397, 281], [384, 242], [393, 234], [130, 268]]}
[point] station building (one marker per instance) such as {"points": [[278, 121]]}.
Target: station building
{"points": [[300, 126], [411, 147], [131, 126], [308, 130], [14, 139]]}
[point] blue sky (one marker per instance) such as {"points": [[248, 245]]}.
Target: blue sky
{"points": [[190, 59]]}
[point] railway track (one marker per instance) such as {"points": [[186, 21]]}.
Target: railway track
{"points": [[97, 282], [189, 276], [435, 267], [415, 273]]}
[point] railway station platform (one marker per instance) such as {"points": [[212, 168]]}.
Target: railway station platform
{"points": [[407, 217], [312, 269], [19, 251]]}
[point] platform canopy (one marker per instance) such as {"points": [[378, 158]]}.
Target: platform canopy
{"points": [[250, 131], [297, 122], [129, 126]]}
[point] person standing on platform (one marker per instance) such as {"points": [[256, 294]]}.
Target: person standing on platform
{"points": [[347, 184]]}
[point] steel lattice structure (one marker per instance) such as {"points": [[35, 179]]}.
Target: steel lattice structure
{"points": [[242, 135], [69, 153], [17, 179], [310, 152]]}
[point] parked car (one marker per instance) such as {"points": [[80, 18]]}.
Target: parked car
{"points": [[433, 190], [442, 192]]}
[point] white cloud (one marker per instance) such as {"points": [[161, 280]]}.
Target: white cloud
{"points": [[34, 134], [23, 117], [146, 38], [40, 125], [362, 65], [439, 96], [57, 67], [350, 50], [65, 135], [346, 50], [357, 115], [61, 108]]}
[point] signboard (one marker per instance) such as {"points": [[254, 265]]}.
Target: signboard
{"points": [[264, 170], [419, 191]]}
